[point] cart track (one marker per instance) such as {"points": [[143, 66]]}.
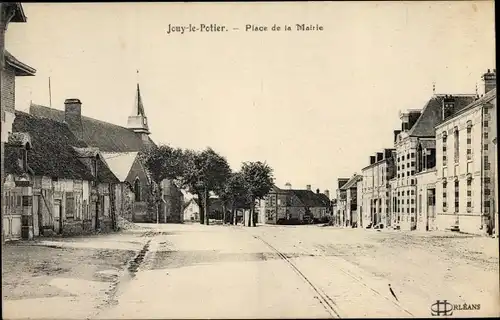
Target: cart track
{"points": [[357, 279], [325, 300]]}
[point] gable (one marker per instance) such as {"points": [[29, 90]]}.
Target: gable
{"points": [[137, 171], [120, 163]]}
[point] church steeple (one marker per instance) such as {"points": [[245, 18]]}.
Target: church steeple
{"points": [[137, 121]]}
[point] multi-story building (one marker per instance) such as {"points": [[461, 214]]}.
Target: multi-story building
{"points": [[376, 196], [465, 163], [417, 126], [339, 214], [359, 202], [350, 218], [10, 67]]}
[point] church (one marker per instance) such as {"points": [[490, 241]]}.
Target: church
{"points": [[121, 147]]}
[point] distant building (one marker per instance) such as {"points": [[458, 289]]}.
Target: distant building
{"points": [[466, 163], [340, 214], [296, 206], [351, 201], [376, 198]]}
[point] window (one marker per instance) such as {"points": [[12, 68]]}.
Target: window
{"points": [[457, 190], [413, 192], [70, 205], [469, 187], [445, 141], [412, 155], [485, 123], [137, 190], [412, 211], [445, 204], [486, 135], [412, 163], [412, 201], [407, 192], [485, 147], [457, 144], [487, 192], [420, 203]]}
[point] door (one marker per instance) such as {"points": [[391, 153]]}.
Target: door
{"points": [[57, 216]]}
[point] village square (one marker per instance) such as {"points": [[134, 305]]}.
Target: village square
{"points": [[103, 219]]}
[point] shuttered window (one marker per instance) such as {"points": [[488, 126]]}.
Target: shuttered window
{"points": [[70, 205]]}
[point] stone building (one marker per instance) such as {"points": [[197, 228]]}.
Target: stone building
{"points": [[416, 126], [376, 192], [466, 165]]}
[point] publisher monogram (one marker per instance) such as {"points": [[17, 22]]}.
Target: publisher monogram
{"points": [[445, 308]]}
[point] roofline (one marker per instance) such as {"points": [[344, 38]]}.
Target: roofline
{"points": [[25, 69], [440, 95], [478, 103], [373, 164]]}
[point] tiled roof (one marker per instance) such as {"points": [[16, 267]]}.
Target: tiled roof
{"points": [[106, 136], [352, 182], [490, 95], [432, 114], [52, 154], [311, 199]]}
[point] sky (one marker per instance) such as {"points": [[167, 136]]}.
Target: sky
{"points": [[313, 105]]}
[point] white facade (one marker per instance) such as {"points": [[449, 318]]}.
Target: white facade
{"points": [[464, 157]]}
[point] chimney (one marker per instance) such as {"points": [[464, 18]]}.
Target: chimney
{"points": [[413, 117], [73, 116], [288, 185], [327, 193], [448, 107], [317, 191], [372, 159], [396, 133], [380, 156], [342, 181], [490, 80], [308, 187]]}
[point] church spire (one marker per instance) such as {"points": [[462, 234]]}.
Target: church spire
{"points": [[137, 121], [138, 107]]}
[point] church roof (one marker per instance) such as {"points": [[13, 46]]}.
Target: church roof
{"points": [[106, 136]]}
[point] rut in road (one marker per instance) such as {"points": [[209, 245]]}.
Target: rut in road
{"points": [[322, 297], [358, 280]]}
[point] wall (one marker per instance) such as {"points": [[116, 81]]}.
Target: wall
{"points": [[406, 158], [469, 219], [426, 212]]}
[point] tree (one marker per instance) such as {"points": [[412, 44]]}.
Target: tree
{"points": [[204, 172], [162, 162], [234, 193], [259, 180]]}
